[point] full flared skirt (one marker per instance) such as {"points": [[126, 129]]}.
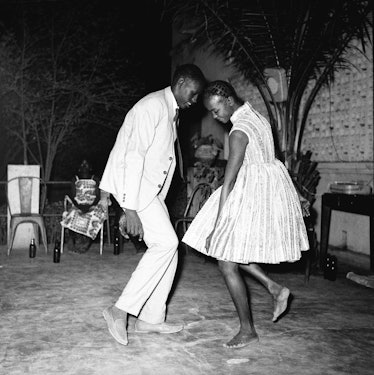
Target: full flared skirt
{"points": [[261, 220]]}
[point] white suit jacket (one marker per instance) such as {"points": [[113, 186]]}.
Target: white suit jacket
{"points": [[142, 162]]}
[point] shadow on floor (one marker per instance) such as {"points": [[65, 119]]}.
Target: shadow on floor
{"points": [[51, 321]]}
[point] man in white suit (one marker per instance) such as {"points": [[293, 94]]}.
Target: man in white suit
{"points": [[138, 174]]}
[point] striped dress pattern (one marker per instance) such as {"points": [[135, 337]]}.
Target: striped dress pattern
{"points": [[261, 220]]}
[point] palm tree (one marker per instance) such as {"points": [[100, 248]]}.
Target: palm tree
{"points": [[305, 40]]}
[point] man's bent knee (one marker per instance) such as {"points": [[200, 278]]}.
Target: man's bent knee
{"points": [[169, 244], [173, 243]]}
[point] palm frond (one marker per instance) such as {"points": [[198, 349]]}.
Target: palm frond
{"points": [[309, 39]]}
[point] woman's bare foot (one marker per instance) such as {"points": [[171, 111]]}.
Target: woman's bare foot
{"points": [[241, 339], [280, 303]]}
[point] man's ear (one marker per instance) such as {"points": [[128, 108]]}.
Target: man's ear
{"points": [[181, 81]]}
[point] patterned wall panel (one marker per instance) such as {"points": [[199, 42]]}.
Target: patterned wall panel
{"points": [[340, 123]]}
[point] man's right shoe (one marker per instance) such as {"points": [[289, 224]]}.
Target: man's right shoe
{"points": [[116, 327]]}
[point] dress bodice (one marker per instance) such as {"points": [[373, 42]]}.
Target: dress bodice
{"points": [[260, 148]]}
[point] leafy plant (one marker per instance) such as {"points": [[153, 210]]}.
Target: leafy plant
{"points": [[206, 173], [208, 140], [64, 74], [307, 39]]}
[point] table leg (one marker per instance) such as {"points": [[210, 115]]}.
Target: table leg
{"points": [[371, 243], [325, 231]]}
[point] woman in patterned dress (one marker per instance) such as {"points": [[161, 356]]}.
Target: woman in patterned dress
{"points": [[256, 216]]}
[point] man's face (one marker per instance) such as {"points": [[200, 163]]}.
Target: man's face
{"points": [[188, 92], [220, 108]]}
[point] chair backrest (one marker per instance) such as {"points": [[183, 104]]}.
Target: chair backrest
{"points": [[199, 196], [26, 186]]}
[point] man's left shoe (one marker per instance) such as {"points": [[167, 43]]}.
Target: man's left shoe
{"points": [[144, 327]]}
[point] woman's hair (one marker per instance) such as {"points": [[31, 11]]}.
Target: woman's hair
{"points": [[222, 89]]}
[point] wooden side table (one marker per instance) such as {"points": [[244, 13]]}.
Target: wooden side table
{"points": [[355, 204]]}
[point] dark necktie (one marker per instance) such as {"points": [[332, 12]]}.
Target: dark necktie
{"points": [[178, 146]]}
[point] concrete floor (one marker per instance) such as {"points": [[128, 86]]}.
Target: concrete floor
{"points": [[51, 321]]}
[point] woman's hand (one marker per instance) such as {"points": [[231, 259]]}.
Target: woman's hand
{"points": [[103, 203], [305, 205]]}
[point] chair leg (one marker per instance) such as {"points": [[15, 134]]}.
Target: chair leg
{"points": [[44, 237], [62, 240], [101, 239], [184, 231], [108, 230], [309, 254], [307, 266], [12, 229]]}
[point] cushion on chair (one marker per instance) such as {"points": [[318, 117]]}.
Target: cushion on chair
{"points": [[88, 224]]}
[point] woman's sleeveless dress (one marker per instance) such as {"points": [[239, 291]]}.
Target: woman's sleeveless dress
{"points": [[261, 220]]}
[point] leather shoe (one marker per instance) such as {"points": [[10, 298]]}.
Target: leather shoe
{"points": [[144, 327], [116, 327]]}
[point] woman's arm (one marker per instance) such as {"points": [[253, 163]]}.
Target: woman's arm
{"points": [[238, 142]]}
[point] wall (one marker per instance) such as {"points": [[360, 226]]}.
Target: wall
{"points": [[214, 68], [339, 132]]}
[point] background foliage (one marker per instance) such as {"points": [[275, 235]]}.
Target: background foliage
{"points": [[69, 72], [308, 39]]}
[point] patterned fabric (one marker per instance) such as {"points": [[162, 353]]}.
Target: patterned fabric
{"points": [[88, 224], [261, 220], [85, 191]]}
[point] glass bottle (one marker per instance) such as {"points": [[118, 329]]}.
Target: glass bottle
{"points": [[56, 252], [32, 249], [331, 267]]}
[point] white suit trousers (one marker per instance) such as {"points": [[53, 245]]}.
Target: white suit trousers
{"points": [[147, 290]]}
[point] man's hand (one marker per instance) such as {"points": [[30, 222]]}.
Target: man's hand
{"points": [[131, 224]]}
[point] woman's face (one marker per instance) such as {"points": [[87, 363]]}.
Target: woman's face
{"points": [[221, 108]]}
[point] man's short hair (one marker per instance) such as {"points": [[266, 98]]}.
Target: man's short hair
{"points": [[190, 71]]}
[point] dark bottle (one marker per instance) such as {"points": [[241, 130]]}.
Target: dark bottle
{"points": [[56, 252], [331, 267], [116, 247], [32, 249], [327, 266]]}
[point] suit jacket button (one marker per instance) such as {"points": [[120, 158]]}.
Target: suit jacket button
{"points": [[159, 186], [165, 172], [170, 158]]}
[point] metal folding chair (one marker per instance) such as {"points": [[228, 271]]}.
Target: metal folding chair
{"points": [[27, 213]]}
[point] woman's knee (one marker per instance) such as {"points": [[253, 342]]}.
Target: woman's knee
{"points": [[227, 268]]}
